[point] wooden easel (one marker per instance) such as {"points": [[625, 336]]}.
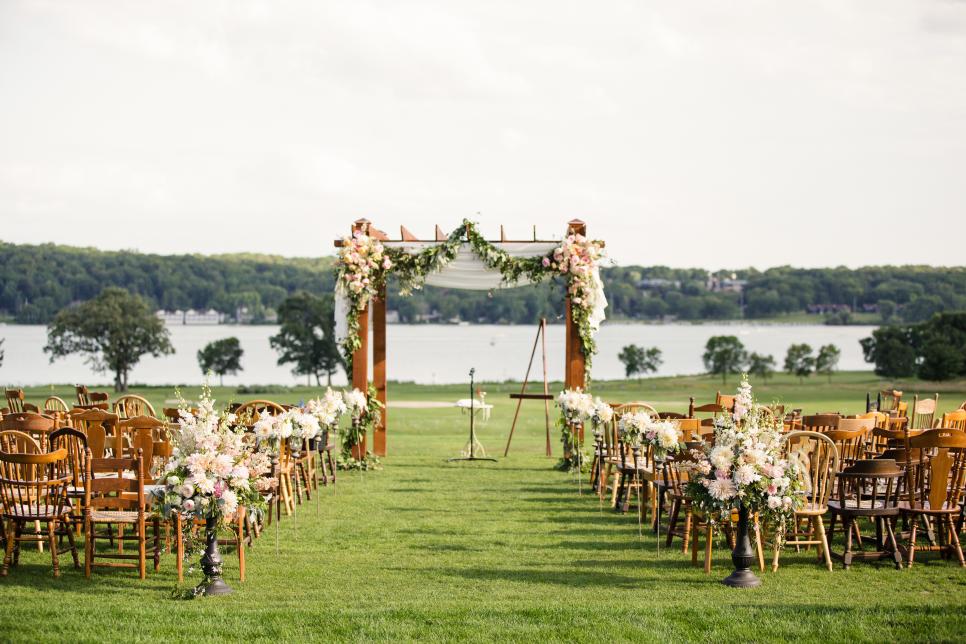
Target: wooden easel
{"points": [[523, 395]]}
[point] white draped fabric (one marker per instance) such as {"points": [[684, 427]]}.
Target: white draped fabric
{"points": [[467, 271]]}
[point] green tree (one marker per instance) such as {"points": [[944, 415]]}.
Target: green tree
{"points": [[799, 361], [638, 360], [761, 366], [307, 336], [891, 350], [827, 360], [941, 344], [724, 354], [221, 357], [114, 330]]}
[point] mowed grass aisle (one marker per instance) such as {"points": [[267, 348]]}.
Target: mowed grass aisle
{"points": [[431, 550]]}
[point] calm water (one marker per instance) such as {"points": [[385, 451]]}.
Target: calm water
{"points": [[430, 353]]}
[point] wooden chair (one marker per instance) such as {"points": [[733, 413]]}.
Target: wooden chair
{"points": [[725, 401], [935, 490], [98, 425], [700, 522], [711, 408], [820, 422], [954, 420], [818, 463], [131, 405], [17, 442], [678, 477], [139, 433], [850, 446], [867, 489], [888, 400], [118, 500], [32, 490], [37, 426], [15, 398], [670, 415], [247, 413], [56, 404], [923, 414], [620, 466]]}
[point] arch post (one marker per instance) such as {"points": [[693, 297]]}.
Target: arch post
{"points": [[379, 369], [360, 357], [574, 359]]}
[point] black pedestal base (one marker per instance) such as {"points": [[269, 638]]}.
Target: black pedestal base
{"points": [[742, 579]]}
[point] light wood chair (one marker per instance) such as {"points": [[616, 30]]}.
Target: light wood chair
{"points": [[954, 420], [74, 443], [888, 400], [923, 414], [37, 426], [13, 441], [98, 425], [936, 489], [56, 404], [818, 462], [247, 413], [32, 490], [114, 499], [725, 401], [711, 408], [820, 422], [131, 405]]}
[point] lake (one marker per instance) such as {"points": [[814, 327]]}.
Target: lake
{"points": [[431, 353]]}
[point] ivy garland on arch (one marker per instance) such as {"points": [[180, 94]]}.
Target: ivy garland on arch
{"points": [[365, 264]]}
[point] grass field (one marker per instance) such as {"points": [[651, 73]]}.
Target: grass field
{"points": [[425, 549]]}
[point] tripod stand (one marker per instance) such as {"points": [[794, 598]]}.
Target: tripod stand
{"points": [[473, 441]]}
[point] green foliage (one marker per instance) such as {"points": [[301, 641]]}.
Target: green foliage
{"points": [[114, 330], [307, 336], [221, 357], [827, 360], [799, 361], [761, 366], [640, 361], [724, 354], [890, 349]]}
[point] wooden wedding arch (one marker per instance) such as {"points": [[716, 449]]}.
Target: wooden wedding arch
{"points": [[574, 358]]}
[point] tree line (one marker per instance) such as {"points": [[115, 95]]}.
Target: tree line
{"points": [[931, 350], [38, 281], [726, 354]]}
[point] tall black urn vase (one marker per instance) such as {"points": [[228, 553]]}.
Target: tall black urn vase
{"points": [[743, 556], [212, 584]]}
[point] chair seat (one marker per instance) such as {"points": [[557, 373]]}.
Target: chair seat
{"points": [[114, 516], [36, 513], [923, 508], [852, 506]]}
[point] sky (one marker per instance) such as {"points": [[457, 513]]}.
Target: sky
{"points": [[706, 134]]}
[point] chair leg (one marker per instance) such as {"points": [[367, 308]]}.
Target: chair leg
{"points": [[707, 548], [672, 522], [695, 540], [957, 547], [52, 541], [73, 547], [332, 465], [820, 524], [847, 526], [912, 541], [142, 549], [758, 547], [88, 547], [896, 555], [8, 554], [240, 529], [179, 546], [688, 518], [156, 526]]}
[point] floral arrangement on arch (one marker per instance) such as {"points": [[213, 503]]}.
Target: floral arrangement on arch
{"points": [[365, 264], [746, 466], [213, 471], [364, 410]]}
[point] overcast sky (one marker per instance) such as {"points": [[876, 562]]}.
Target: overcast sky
{"points": [[714, 134]]}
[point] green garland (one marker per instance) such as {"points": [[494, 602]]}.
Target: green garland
{"points": [[357, 430], [412, 269]]}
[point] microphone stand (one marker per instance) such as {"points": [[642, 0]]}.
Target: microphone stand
{"points": [[473, 456]]}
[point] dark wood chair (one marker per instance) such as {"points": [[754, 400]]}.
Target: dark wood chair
{"points": [[33, 490], [37, 426], [820, 422], [868, 489], [74, 443], [935, 490]]}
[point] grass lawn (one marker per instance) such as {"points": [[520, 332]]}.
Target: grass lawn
{"points": [[425, 549]]}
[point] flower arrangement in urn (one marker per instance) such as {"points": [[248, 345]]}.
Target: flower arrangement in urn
{"points": [[662, 436], [746, 465], [213, 474], [328, 410]]}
